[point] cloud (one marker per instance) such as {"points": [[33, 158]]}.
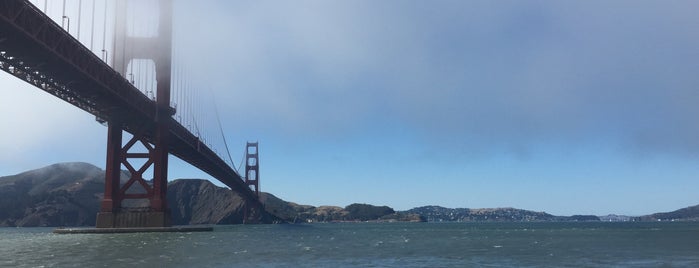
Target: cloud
{"points": [[484, 74]]}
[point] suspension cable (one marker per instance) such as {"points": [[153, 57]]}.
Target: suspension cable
{"points": [[242, 160], [220, 127]]}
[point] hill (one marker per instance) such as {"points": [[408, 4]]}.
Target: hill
{"points": [[442, 214], [437, 213], [295, 213], [69, 194], [196, 201], [66, 194], [684, 214]]}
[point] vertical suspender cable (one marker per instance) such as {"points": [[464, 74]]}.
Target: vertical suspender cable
{"points": [[195, 109], [200, 113], [181, 89], [63, 16], [139, 76], [196, 115], [173, 73], [188, 101], [125, 65], [191, 102], [114, 37], [80, 12], [181, 86], [193, 98], [130, 32], [153, 82], [146, 77], [104, 34], [147, 81], [203, 121], [185, 91], [92, 32], [173, 80]]}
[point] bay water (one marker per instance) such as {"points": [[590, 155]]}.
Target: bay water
{"points": [[598, 244]]}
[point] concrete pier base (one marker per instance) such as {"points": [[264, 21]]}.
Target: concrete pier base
{"points": [[133, 219], [133, 230]]}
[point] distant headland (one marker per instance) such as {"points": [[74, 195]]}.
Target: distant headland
{"points": [[68, 194]]}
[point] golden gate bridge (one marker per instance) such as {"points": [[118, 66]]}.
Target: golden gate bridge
{"points": [[118, 60]]}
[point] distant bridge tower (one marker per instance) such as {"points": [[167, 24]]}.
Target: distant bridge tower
{"points": [[252, 212], [140, 154], [252, 167]]}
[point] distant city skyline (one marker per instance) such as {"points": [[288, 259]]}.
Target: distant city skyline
{"points": [[567, 107]]}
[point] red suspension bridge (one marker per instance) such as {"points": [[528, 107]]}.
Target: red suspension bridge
{"points": [[116, 59]]}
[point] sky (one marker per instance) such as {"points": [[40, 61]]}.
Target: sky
{"points": [[567, 107]]}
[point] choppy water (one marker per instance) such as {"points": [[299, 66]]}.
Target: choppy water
{"points": [[365, 245]]}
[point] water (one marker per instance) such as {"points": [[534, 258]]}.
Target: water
{"points": [[366, 245]]}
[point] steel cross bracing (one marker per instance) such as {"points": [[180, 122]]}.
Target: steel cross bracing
{"points": [[37, 50]]}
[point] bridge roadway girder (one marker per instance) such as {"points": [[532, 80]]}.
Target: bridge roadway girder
{"points": [[37, 50], [44, 50]]}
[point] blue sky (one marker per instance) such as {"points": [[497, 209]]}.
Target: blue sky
{"points": [[568, 107]]}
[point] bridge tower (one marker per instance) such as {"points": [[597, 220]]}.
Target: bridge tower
{"points": [[253, 212], [252, 167], [153, 152]]}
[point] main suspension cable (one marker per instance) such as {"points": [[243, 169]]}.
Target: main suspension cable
{"points": [[220, 127]]}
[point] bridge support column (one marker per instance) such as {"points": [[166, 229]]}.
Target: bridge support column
{"points": [[253, 212], [150, 201], [113, 168]]}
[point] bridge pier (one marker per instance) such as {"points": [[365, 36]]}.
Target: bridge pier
{"points": [[133, 219], [136, 190]]}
